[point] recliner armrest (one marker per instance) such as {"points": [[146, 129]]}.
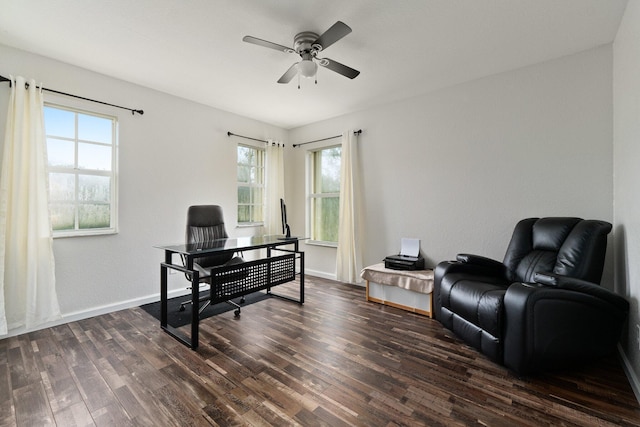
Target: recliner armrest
{"points": [[486, 263], [573, 284], [559, 322]]}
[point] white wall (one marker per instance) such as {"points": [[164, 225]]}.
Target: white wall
{"points": [[458, 168], [626, 91], [176, 154]]}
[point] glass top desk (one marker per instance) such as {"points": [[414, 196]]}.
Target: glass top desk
{"points": [[234, 280]]}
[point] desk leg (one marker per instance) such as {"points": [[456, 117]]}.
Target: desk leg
{"points": [[195, 313], [163, 290], [195, 318], [300, 300], [301, 275], [195, 304], [269, 270]]}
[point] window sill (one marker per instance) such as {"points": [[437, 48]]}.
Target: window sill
{"points": [[321, 243], [250, 225], [84, 233]]}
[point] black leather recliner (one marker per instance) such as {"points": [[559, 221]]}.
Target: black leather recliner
{"points": [[541, 308]]}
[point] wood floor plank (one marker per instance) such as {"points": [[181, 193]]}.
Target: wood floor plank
{"points": [[61, 388], [76, 415], [22, 366], [338, 360], [32, 407]]}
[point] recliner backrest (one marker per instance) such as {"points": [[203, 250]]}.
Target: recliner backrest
{"points": [[567, 246], [206, 223]]}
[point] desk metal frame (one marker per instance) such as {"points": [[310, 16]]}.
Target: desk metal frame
{"points": [[190, 252]]}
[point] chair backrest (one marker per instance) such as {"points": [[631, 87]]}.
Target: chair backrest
{"points": [[568, 246], [206, 223]]}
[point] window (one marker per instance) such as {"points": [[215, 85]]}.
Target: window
{"points": [[81, 151], [250, 185], [324, 194]]}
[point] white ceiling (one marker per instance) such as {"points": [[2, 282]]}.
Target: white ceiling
{"points": [[403, 48]]}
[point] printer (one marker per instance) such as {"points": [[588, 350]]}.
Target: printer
{"points": [[409, 257], [404, 262]]}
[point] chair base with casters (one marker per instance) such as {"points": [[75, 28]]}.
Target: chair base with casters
{"points": [[207, 302]]}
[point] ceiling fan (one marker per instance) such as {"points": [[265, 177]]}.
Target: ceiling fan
{"points": [[308, 44]]}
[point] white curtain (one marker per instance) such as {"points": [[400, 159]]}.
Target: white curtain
{"points": [[27, 270], [348, 258], [274, 187]]}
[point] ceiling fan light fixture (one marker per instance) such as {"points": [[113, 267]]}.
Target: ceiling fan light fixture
{"points": [[307, 68], [307, 45]]}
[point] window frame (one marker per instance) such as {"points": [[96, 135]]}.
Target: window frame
{"points": [[312, 195], [251, 185], [77, 172]]}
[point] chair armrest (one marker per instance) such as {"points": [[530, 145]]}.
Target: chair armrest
{"points": [[486, 264], [577, 285], [471, 264], [550, 327]]}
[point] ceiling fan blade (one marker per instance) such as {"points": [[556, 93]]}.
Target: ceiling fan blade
{"points": [[292, 71], [338, 67], [264, 43], [333, 34]]}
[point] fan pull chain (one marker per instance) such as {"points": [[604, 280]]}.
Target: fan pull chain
{"points": [[315, 77]]}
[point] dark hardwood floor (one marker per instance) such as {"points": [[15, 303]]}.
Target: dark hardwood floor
{"points": [[336, 361]]}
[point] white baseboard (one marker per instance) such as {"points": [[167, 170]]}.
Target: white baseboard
{"points": [[329, 276], [630, 372], [321, 274], [96, 311]]}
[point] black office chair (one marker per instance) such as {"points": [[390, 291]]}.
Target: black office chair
{"points": [[206, 223]]}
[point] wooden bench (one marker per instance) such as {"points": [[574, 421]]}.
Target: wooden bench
{"points": [[407, 290]]}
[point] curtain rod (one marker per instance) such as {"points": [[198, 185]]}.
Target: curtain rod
{"points": [[230, 134], [133, 111], [355, 132]]}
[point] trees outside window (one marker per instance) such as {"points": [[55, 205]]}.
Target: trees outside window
{"points": [[82, 164], [251, 162], [324, 194]]}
